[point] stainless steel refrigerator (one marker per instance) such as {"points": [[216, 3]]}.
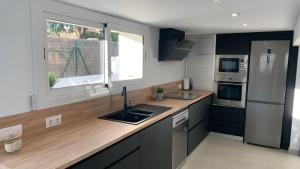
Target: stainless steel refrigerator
{"points": [[266, 92]]}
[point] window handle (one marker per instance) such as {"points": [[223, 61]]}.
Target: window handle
{"points": [[44, 53]]}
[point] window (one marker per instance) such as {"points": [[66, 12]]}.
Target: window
{"points": [[75, 54], [127, 53]]}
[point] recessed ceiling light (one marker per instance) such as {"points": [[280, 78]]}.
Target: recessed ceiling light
{"points": [[216, 0], [235, 14], [245, 24]]}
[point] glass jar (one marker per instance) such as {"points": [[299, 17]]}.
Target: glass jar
{"points": [[13, 143]]}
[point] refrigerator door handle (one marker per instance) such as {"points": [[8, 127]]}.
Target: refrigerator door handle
{"points": [[269, 55]]}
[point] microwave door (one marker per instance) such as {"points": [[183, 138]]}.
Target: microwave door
{"points": [[229, 65]]}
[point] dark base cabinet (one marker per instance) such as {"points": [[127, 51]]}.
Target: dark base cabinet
{"points": [[227, 120], [156, 145], [112, 157], [196, 135], [151, 148], [198, 122], [129, 162]]}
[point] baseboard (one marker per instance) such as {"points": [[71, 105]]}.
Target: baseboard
{"points": [[238, 138], [294, 151]]}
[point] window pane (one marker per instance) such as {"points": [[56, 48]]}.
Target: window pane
{"points": [[126, 56], [75, 54]]}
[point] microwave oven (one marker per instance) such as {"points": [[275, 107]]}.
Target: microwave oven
{"points": [[234, 67]]}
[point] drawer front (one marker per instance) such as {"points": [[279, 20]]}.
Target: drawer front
{"points": [[228, 114], [196, 135], [129, 162], [110, 155], [199, 111], [227, 128]]}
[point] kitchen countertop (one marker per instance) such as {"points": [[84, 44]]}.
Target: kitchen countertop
{"points": [[71, 144]]}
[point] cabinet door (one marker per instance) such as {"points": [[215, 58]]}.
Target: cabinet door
{"points": [[199, 111], [233, 44], [196, 135], [110, 155], [156, 145], [129, 162], [227, 120]]}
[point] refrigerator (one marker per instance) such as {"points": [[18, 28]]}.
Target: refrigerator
{"points": [[266, 92]]}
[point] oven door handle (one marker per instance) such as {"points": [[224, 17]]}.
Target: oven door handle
{"points": [[236, 84]]}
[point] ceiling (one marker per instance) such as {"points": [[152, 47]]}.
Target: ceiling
{"points": [[202, 16]]}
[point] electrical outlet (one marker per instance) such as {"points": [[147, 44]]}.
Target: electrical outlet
{"points": [[53, 121]]}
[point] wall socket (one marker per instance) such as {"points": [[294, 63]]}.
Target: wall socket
{"points": [[53, 121]]}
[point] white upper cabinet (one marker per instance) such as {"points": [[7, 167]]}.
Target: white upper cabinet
{"points": [[200, 61]]}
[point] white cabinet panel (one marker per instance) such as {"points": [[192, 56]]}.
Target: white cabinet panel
{"points": [[203, 46], [201, 62]]}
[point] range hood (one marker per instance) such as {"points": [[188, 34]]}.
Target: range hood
{"points": [[172, 45]]}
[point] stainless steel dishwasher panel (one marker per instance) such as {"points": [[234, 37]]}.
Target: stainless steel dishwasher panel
{"points": [[180, 134]]}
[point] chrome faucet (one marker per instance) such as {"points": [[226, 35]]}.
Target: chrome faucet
{"points": [[124, 94]]}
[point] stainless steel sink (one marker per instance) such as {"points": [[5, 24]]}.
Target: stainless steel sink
{"points": [[136, 115]]}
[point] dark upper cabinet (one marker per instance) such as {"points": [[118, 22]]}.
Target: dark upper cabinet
{"points": [[233, 44], [110, 155], [240, 43], [156, 145], [198, 122]]}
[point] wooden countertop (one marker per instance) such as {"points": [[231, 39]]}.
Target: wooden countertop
{"points": [[71, 144]]}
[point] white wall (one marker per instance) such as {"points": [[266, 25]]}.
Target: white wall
{"points": [[297, 32], [16, 68], [16, 84], [295, 134]]}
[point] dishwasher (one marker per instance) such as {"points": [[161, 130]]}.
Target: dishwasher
{"points": [[180, 132]]}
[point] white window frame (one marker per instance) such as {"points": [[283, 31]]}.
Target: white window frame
{"points": [[127, 29], [45, 96], [40, 11]]}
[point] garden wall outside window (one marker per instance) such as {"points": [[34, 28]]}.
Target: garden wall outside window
{"points": [[75, 54]]}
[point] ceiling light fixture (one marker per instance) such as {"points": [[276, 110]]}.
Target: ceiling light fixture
{"points": [[245, 24], [216, 0], [235, 14]]}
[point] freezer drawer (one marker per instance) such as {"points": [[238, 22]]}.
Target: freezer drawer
{"points": [[264, 124]]}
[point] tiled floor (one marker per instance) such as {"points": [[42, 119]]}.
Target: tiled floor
{"points": [[223, 152]]}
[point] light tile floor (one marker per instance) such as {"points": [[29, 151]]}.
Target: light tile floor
{"points": [[219, 151]]}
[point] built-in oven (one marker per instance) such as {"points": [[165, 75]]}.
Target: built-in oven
{"points": [[231, 94], [235, 66]]}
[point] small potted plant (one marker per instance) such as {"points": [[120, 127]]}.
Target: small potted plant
{"points": [[159, 93], [52, 79]]}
